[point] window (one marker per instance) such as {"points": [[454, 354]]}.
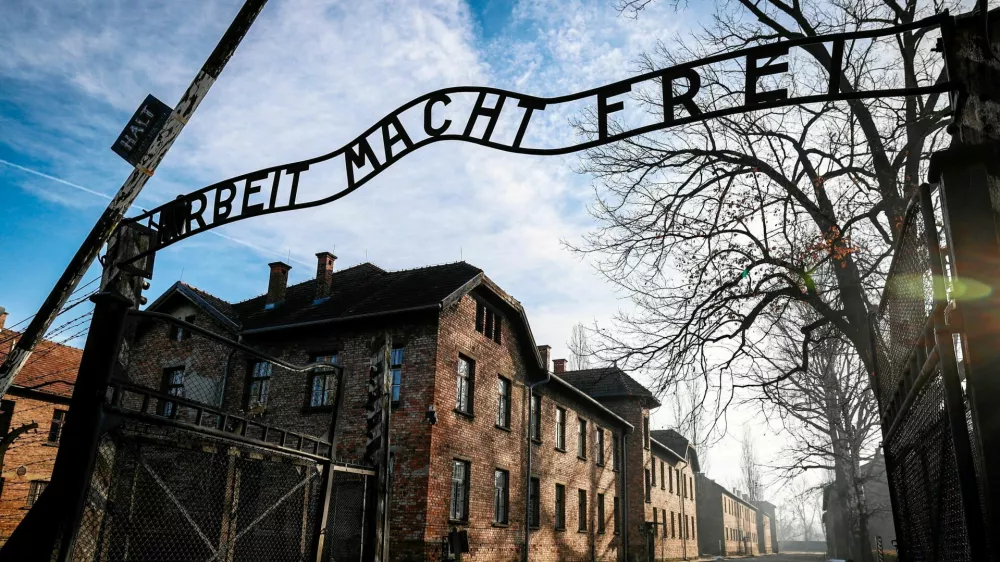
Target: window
{"points": [[259, 384], [615, 453], [463, 393], [653, 472], [581, 510], [600, 514], [536, 417], [488, 322], [645, 431], [663, 484], [656, 521], [673, 526], [501, 495], [581, 438], [691, 486], [322, 383], [686, 528], [459, 491], [600, 447], [560, 506], [178, 333], [671, 473], [685, 487], [535, 492], [34, 490], [173, 384], [55, 430], [615, 514], [396, 366], [648, 488], [678, 474], [560, 429], [664, 512], [503, 402]]}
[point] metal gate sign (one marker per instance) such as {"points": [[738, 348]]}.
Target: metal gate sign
{"points": [[141, 129], [507, 121]]}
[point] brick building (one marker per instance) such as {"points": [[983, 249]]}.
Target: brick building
{"points": [[767, 527], [31, 418], [464, 356], [727, 522]]}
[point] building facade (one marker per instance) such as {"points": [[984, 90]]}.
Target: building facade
{"points": [[767, 527], [727, 522], [31, 419], [463, 358]]}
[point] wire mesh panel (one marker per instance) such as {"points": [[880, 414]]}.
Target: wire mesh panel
{"points": [[345, 528], [160, 494], [925, 479], [906, 304]]}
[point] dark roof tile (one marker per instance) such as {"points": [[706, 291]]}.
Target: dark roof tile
{"points": [[607, 382], [51, 368]]}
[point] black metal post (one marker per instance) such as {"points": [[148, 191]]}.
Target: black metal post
{"points": [[52, 522], [325, 492]]}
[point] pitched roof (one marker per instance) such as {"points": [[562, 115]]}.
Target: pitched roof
{"points": [[677, 443], [52, 367], [608, 382], [362, 290]]}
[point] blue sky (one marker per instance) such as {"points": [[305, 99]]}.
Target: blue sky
{"points": [[310, 75]]}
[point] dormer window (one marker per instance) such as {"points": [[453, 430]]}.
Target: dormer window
{"points": [[488, 322]]}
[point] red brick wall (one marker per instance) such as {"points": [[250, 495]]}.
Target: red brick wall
{"points": [[478, 440], [33, 452]]}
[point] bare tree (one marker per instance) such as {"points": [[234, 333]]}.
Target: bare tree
{"points": [[719, 230], [799, 515], [690, 417], [751, 473], [580, 352]]}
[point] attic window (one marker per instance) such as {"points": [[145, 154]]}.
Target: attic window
{"points": [[488, 322], [178, 333]]}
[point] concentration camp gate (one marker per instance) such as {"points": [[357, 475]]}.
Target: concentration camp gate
{"points": [[146, 475]]}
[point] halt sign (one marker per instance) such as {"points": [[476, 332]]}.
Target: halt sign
{"points": [[141, 129]]}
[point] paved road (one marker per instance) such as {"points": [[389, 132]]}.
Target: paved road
{"points": [[794, 557]]}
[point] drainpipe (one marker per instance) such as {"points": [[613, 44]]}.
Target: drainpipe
{"points": [[684, 543], [624, 513], [527, 475]]}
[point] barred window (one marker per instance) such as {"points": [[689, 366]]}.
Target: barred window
{"points": [[536, 417], [615, 515], [55, 430], [648, 488], [178, 333], [259, 384], [396, 366], [616, 455], [503, 402], [535, 492], [600, 514], [459, 491], [173, 384], [600, 447], [488, 322], [323, 384], [501, 495], [560, 506], [652, 463], [663, 484], [560, 429], [581, 438], [581, 510], [35, 489], [465, 378]]}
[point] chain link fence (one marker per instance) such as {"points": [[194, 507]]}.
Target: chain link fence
{"points": [[181, 477], [923, 469]]}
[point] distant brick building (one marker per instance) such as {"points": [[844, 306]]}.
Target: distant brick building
{"points": [[463, 348], [727, 522], [31, 418], [767, 527]]}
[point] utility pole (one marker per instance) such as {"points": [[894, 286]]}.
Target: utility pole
{"points": [[126, 196]]}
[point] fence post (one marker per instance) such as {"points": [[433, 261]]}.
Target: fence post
{"points": [[53, 521], [319, 544]]}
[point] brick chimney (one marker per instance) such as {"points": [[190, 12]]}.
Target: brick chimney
{"points": [[324, 275], [558, 366], [544, 351], [3, 316], [277, 283]]}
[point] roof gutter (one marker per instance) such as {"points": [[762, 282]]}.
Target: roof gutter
{"points": [[435, 306]]}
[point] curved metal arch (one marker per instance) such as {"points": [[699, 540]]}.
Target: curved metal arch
{"points": [[175, 220]]}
